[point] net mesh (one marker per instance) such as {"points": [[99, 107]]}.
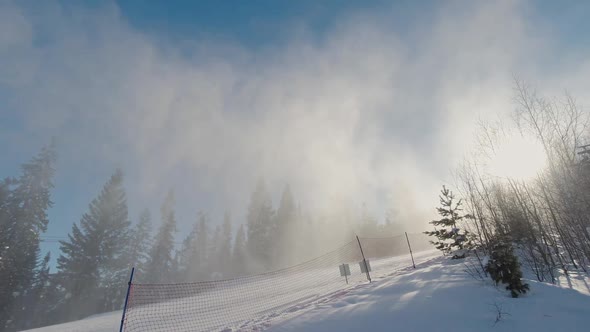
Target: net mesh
{"points": [[253, 302]]}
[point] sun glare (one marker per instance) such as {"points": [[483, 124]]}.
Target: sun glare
{"points": [[518, 157]]}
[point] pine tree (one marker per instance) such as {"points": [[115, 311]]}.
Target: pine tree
{"points": [[225, 246], [285, 239], [23, 217], [175, 275], [188, 255], [6, 269], [451, 239], [197, 252], [213, 263], [260, 229], [200, 260], [503, 266], [40, 300], [160, 263], [93, 266], [140, 243], [5, 197], [239, 253], [43, 294]]}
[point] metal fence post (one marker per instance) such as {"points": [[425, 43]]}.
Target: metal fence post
{"points": [[126, 300], [410, 247], [364, 260]]}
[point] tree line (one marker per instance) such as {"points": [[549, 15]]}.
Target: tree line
{"points": [[94, 261]]}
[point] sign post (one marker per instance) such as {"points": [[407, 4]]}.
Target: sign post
{"points": [[364, 262], [345, 271]]}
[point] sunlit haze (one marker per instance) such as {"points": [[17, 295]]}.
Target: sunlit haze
{"points": [[518, 157], [352, 107]]}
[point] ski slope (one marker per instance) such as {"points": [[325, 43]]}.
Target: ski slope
{"points": [[248, 303], [438, 295]]}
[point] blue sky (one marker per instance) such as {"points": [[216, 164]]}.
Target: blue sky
{"points": [[251, 23], [347, 101]]}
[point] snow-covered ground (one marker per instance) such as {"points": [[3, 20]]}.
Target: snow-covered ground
{"points": [[437, 296], [440, 296]]}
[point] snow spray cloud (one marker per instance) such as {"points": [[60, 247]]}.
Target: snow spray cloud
{"points": [[364, 113]]}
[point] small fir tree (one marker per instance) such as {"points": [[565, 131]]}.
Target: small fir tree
{"points": [[503, 266], [451, 239]]}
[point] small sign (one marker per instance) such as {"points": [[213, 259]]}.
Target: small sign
{"points": [[362, 265], [344, 270]]}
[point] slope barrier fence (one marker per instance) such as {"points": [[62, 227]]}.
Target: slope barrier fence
{"points": [[253, 302]]}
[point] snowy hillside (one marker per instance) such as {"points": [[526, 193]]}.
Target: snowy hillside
{"points": [[440, 296], [437, 296]]}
